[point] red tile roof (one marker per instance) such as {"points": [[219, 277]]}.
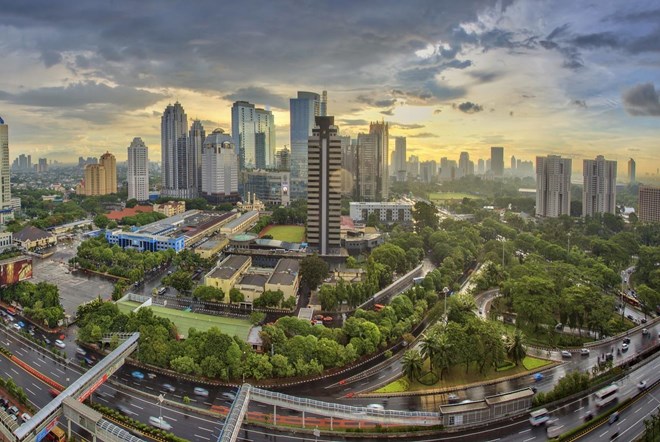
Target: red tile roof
{"points": [[117, 215]]}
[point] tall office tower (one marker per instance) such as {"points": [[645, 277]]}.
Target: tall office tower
{"points": [[381, 131], [399, 159], [5, 174], [95, 180], [513, 164], [138, 170], [488, 169], [196, 137], [109, 163], [302, 112], [553, 186], [449, 170], [525, 168], [324, 189], [465, 166], [366, 175], [428, 171], [283, 159], [242, 129], [349, 166], [631, 171], [481, 166], [599, 191], [219, 168], [175, 159], [497, 161], [412, 167], [264, 129], [42, 165], [649, 204], [323, 109]]}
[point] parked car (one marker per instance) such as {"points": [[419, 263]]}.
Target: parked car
{"points": [[13, 410], [624, 347], [81, 352], [46, 341], [53, 392], [169, 388], [21, 324], [17, 327], [630, 317], [159, 422], [26, 417], [151, 375], [199, 391], [566, 354], [59, 344], [626, 340], [137, 375], [584, 352], [452, 398]]}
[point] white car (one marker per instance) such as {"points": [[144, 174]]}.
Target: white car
{"points": [[199, 391], [59, 343], [566, 354], [584, 352], [375, 407], [642, 385], [159, 422]]}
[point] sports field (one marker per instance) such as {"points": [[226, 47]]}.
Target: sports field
{"points": [[186, 320], [285, 233], [444, 196]]}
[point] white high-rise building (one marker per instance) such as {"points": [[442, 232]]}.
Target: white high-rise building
{"points": [[219, 168], [399, 159], [5, 184], [176, 167], [553, 186], [599, 192], [138, 170], [196, 137]]}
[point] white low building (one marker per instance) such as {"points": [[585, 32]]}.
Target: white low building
{"points": [[388, 212]]}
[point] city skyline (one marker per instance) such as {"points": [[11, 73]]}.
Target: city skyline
{"points": [[462, 78]]}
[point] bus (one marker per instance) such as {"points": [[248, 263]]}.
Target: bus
{"points": [[631, 300], [56, 434], [539, 417], [606, 395], [378, 307]]}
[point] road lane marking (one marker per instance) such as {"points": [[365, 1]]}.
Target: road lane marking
{"points": [[60, 370], [101, 398], [36, 363], [12, 369], [525, 431], [581, 408], [38, 387], [202, 437], [30, 391], [638, 410], [531, 438], [205, 429], [136, 406], [170, 418]]}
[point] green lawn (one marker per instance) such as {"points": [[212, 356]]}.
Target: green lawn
{"points": [[285, 233], [456, 376], [186, 320], [444, 196]]}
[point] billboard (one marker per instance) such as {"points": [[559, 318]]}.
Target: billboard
{"points": [[15, 270]]}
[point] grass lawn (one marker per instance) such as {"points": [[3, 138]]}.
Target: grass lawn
{"points": [[285, 233], [186, 320], [444, 196], [457, 376]]}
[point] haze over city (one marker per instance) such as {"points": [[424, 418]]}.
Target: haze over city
{"points": [[562, 78]]}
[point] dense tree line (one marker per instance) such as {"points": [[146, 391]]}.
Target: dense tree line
{"points": [[40, 302], [96, 254]]}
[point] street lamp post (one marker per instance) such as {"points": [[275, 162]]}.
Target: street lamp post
{"points": [[161, 398], [445, 290], [243, 367]]}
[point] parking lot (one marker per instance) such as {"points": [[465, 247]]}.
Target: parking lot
{"points": [[75, 288]]}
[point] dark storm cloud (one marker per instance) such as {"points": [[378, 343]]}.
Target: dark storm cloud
{"points": [[485, 77], [579, 103], [421, 74], [82, 94], [259, 96], [468, 107], [388, 112], [597, 40], [374, 102], [642, 100]]}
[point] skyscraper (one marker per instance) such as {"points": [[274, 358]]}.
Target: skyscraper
{"points": [[513, 164], [553, 186], [497, 161], [649, 204], [253, 130], [95, 180], [303, 109], [631, 171], [219, 168], [5, 184], [283, 159], [381, 131], [109, 163], [264, 138], [175, 167], [599, 191], [481, 166], [324, 189], [348, 165], [138, 170], [367, 168], [399, 159], [465, 166], [323, 111], [196, 137]]}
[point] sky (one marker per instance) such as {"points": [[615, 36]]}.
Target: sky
{"points": [[573, 78]]}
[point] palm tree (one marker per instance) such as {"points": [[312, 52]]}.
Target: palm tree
{"points": [[442, 359], [429, 346], [516, 347], [412, 364]]}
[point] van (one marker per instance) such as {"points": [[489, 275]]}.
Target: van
{"points": [[26, 417], [159, 422], [162, 290], [539, 417]]}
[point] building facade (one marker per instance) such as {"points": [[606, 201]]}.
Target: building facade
{"points": [[109, 163], [272, 188], [170, 208], [649, 204], [219, 168], [324, 188], [138, 170], [387, 212], [196, 137], [599, 191], [283, 159], [553, 186], [176, 170], [95, 180], [399, 171], [5, 182], [497, 161], [303, 109]]}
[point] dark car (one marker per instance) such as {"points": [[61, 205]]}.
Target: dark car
{"points": [[626, 340]]}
